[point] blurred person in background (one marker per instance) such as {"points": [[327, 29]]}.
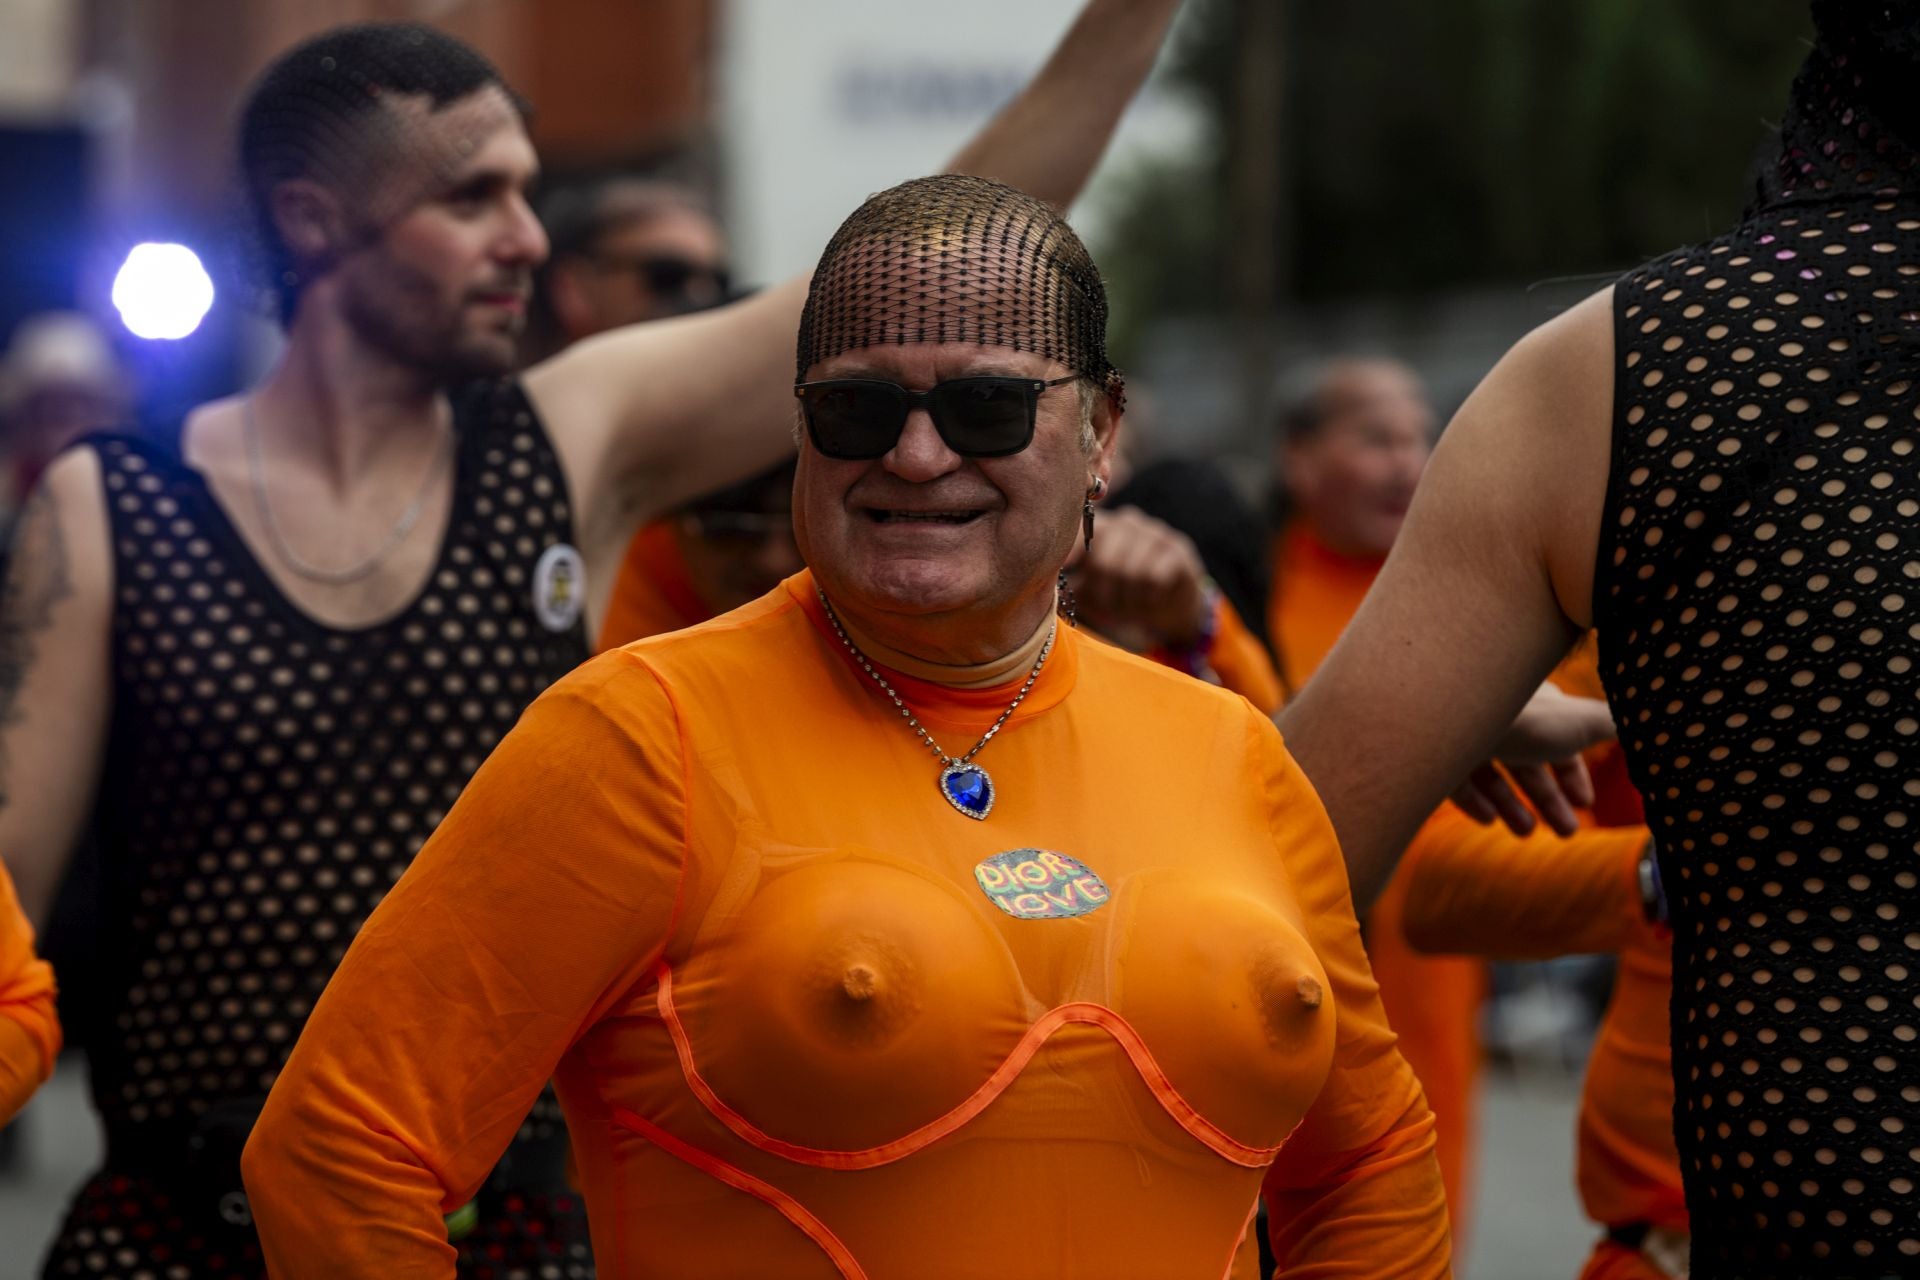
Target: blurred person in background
{"points": [[322, 603], [1353, 444], [1710, 464], [1479, 891], [59, 379], [1177, 572], [1144, 584], [1195, 496], [712, 556], [627, 250]]}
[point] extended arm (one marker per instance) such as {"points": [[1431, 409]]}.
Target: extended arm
{"points": [[56, 616], [1356, 1190], [1485, 891], [1485, 590], [653, 415], [542, 899]]}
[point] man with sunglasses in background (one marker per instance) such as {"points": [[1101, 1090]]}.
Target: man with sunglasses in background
{"points": [[624, 249], [628, 249]]}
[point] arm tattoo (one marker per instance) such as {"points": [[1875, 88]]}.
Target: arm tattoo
{"points": [[38, 578]]}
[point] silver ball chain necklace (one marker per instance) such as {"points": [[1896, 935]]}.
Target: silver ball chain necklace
{"points": [[963, 784], [257, 470]]}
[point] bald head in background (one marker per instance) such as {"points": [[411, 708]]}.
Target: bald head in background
{"points": [[1354, 440]]}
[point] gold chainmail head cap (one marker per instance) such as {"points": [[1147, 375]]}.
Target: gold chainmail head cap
{"points": [[956, 258]]}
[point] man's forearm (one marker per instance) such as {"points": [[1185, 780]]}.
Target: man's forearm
{"points": [[1048, 140]]}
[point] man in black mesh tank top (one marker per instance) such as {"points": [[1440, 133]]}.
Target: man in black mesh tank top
{"points": [[1714, 462], [322, 602]]}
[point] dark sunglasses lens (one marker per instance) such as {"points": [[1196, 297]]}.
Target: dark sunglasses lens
{"points": [[667, 275], [853, 420], [984, 417], [691, 281]]}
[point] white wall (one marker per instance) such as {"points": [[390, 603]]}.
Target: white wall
{"points": [[823, 102], [38, 44]]}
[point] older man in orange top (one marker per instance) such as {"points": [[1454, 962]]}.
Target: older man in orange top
{"points": [[29, 1031], [888, 902]]}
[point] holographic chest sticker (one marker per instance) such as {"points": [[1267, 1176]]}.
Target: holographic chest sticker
{"points": [[1038, 884]]}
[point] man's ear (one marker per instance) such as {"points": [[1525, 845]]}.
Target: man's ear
{"points": [[311, 222]]}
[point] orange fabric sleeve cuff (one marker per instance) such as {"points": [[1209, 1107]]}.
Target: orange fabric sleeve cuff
{"points": [[1485, 891]]}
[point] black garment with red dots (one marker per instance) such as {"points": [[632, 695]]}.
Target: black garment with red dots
{"points": [[268, 778], [1758, 602]]}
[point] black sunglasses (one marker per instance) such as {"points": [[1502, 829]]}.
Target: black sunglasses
{"points": [[673, 277], [855, 418]]}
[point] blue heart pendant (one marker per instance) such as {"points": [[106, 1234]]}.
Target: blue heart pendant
{"points": [[968, 789]]}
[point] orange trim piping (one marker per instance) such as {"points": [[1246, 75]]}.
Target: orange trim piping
{"points": [[1184, 1113], [740, 1180]]}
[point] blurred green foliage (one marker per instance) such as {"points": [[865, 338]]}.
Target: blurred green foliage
{"points": [[1425, 146]]}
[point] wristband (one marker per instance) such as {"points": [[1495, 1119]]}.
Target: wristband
{"points": [[1192, 658]]}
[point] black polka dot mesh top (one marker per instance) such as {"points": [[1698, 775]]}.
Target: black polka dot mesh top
{"points": [[269, 777], [1758, 600]]}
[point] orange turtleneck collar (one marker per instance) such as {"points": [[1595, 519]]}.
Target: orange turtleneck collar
{"points": [[968, 698]]}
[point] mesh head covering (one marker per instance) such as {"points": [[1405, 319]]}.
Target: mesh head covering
{"points": [[1852, 123], [955, 258], [1891, 27], [362, 110]]}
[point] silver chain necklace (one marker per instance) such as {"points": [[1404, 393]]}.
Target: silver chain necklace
{"points": [[963, 784], [257, 468]]}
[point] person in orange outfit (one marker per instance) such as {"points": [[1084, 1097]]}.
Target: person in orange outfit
{"points": [[1142, 585], [1093, 977], [1350, 455], [29, 1029], [1352, 451], [1482, 891], [712, 556], [1486, 892]]}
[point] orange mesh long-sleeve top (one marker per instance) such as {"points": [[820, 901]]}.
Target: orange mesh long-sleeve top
{"points": [[801, 1012], [29, 1030]]}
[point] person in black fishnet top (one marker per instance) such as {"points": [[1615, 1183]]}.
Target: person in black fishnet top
{"points": [[1716, 463]]}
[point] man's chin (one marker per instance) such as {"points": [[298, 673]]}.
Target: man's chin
{"points": [[491, 357], [916, 587]]}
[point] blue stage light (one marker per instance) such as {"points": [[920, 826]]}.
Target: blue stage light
{"points": [[162, 291]]}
